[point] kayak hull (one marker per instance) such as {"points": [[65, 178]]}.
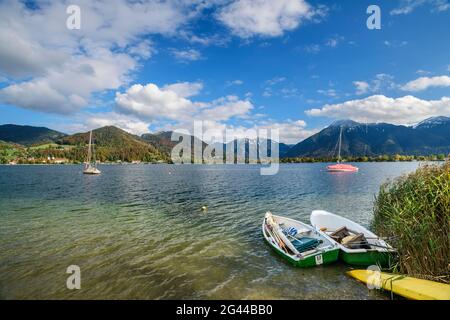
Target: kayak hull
{"points": [[408, 287]]}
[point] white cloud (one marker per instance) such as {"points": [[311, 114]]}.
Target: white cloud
{"points": [[379, 108], [85, 121], [328, 92], [185, 89], [291, 132], [142, 50], [41, 55], [423, 72], [424, 83], [248, 18], [313, 48], [408, 6], [151, 102], [226, 108], [395, 44], [275, 80], [127, 123], [234, 83], [68, 88], [381, 82], [361, 87], [334, 41], [170, 103], [167, 109], [186, 55]]}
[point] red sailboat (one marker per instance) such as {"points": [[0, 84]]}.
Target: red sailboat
{"points": [[340, 167]]}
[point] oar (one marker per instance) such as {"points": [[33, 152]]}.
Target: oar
{"points": [[281, 244], [366, 243], [353, 231]]}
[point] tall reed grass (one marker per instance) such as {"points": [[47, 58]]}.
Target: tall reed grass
{"points": [[414, 211]]}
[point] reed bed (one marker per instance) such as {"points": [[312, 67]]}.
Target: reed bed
{"points": [[414, 211]]}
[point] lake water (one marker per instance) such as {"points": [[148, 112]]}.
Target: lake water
{"points": [[138, 231]]}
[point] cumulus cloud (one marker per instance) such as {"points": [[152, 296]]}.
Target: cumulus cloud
{"points": [[185, 89], [151, 102], [124, 122], [226, 108], [248, 18], [171, 102], [424, 83], [291, 131], [54, 69], [379, 108], [85, 121], [68, 88]]}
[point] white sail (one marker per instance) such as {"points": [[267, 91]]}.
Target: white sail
{"points": [[90, 167]]}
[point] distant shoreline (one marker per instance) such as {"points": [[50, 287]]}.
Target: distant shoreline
{"points": [[207, 164]]}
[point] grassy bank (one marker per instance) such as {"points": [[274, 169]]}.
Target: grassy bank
{"points": [[415, 211]]}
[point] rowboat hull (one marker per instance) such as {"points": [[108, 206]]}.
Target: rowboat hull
{"points": [[368, 258], [313, 261], [381, 253], [92, 171], [342, 168], [408, 287], [327, 255]]}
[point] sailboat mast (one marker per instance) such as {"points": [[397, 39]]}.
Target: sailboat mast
{"points": [[340, 142], [89, 148]]}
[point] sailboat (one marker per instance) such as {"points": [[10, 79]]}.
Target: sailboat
{"points": [[340, 167], [90, 165]]}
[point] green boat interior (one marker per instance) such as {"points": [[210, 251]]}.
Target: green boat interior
{"points": [[301, 242]]}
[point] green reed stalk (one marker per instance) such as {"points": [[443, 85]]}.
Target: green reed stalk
{"points": [[415, 211]]}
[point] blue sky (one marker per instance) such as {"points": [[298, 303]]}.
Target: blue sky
{"points": [[294, 65]]}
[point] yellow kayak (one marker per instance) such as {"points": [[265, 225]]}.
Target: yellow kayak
{"points": [[408, 287]]}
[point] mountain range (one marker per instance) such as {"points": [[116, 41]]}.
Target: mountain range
{"points": [[431, 136]]}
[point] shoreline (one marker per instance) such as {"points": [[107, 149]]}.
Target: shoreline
{"points": [[208, 164]]}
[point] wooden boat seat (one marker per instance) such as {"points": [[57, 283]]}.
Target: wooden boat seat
{"points": [[340, 234], [357, 241]]}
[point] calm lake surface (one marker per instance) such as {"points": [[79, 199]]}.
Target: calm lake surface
{"points": [[138, 232]]}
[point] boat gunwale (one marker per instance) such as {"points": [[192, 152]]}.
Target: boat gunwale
{"points": [[365, 231], [330, 247]]}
